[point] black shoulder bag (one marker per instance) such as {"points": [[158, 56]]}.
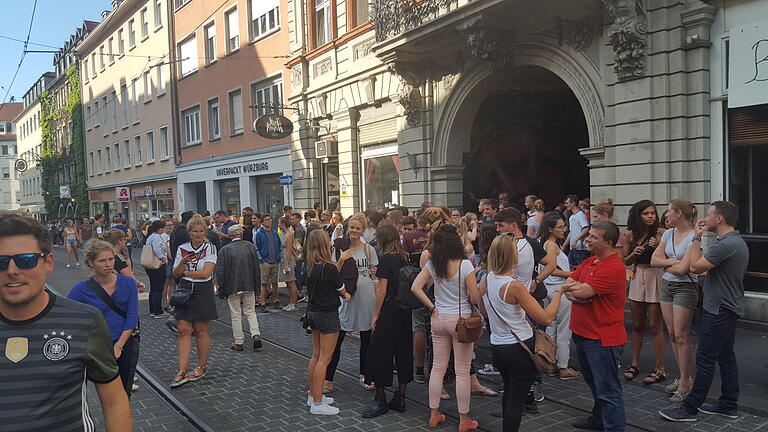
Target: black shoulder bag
{"points": [[107, 299]]}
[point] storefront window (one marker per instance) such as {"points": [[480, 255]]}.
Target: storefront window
{"points": [[270, 195], [748, 157], [230, 196], [382, 181], [331, 188]]}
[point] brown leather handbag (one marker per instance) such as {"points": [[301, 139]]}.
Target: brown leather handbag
{"points": [[468, 329]]}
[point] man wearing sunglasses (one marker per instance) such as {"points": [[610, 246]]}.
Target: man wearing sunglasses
{"points": [[49, 345]]}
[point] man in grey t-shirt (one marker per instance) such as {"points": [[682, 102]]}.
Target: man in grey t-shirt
{"points": [[725, 264]]}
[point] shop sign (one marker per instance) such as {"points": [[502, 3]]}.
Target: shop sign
{"points": [[152, 191], [21, 165], [748, 66], [123, 194], [246, 168], [64, 192], [286, 180], [273, 126]]}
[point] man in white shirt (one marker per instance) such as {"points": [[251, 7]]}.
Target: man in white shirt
{"points": [[578, 229]]}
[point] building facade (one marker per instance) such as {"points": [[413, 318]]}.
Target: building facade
{"points": [[229, 70], [62, 160], [130, 150], [30, 148], [9, 185]]}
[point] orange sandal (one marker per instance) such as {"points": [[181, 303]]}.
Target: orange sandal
{"points": [[468, 426], [436, 420]]}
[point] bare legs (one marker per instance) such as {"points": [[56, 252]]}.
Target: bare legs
{"points": [[322, 351], [647, 315], [200, 329], [678, 320], [293, 292]]}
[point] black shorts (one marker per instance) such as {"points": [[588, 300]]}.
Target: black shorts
{"points": [[325, 322]]}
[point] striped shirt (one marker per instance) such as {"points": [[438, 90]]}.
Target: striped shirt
{"points": [[45, 362]]}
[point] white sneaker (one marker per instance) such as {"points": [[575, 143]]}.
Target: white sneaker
{"points": [[135, 379], [68, 266], [326, 400], [290, 308], [134, 387], [323, 409], [77, 264]]}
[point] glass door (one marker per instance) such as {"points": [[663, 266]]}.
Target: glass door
{"points": [[270, 195], [331, 186]]}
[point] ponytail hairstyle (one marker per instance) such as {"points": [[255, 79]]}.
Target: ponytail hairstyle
{"points": [[538, 205], [605, 208], [446, 246], [685, 207], [360, 218], [95, 247], [197, 220]]}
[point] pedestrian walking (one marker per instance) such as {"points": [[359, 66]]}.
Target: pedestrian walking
{"points": [[300, 234], [454, 284], [71, 241], [552, 238], [116, 297], [578, 229], [290, 254], [238, 275], [170, 283], [679, 294], [356, 261], [50, 340], [324, 287], [726, 265], [391, 325], [157, 276], [642, 239], [195, 264], [507, 302], [85, 230], [267, 242], [597, 289]]}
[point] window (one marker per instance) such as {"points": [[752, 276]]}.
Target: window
{"points": [[147, 87], [144, 23], [267, 98], [93, 65], [127, 145], [135, 101], [322, 22], [108, 156], [361, 13], [265, 17], [110, 52], [120, 42], [131, 34], [163, 142], [91, 166], [233, 30], [101, 57], [117, 156], [188, 54], [158, 13], [114, 109], [214, 128], [747, 156], [98, 161], [137, 145], [210, 43], [235, 102], [88, 117], [124, 99], [161, 79], [191, 118], [180, 3], [6, 173], [85, 70], [150, 146]]}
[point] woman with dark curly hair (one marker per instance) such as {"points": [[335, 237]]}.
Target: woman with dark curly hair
{"points": [[454, 285], [643, 235]]}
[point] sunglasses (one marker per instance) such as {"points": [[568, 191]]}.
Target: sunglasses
{"points": [[24, 261]]}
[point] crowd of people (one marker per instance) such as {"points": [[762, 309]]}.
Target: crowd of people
{"points": [[412, 285]]}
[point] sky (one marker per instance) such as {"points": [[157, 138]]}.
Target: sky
{"points": [[54, 22]]}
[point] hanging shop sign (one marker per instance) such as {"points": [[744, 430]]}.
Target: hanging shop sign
{"points": [[64, 192], [152, 192], [21, 165], [273, 126], [748, 65], [123, 194]]}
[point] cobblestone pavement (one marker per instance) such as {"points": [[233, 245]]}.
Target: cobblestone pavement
{"points": [[265, 390]]}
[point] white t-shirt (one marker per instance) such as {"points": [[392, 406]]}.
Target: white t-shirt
{"points": [[205, 253], [447, 290], [525, 262], [576, 223]]}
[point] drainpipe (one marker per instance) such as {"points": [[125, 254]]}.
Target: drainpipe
{"points": [[174, 86]]}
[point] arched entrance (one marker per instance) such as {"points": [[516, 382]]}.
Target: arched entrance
{"points": [[525, 139]]}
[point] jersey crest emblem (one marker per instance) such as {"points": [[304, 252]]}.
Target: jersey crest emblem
{"points": [[56, 346], [16, 349]]}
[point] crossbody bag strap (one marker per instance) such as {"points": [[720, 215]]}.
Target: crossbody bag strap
{"points": [[490, 302], [675, 252], [106, 298]]}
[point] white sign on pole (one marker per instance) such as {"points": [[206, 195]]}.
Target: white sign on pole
{"points": [[748, 65]]}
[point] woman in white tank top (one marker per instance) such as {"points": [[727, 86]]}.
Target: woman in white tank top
{"points": [[552, 237], [507, 303]]}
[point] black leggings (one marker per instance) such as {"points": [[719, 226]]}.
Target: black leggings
{"points": [[365, 342], [517, 371]]}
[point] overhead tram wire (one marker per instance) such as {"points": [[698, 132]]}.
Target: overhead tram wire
{"points": [[23, 54], [28, 43]]}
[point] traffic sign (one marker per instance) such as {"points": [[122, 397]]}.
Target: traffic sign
{"points": [[286, 180]]}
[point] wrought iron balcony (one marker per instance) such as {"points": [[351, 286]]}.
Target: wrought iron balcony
{"points": [[394, 17]]}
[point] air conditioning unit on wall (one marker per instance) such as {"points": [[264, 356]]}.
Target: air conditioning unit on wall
{"points": [[325, 149]]}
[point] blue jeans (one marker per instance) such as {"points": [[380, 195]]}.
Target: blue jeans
{"points": [[600, 368], [576, 257], [716, 339]]}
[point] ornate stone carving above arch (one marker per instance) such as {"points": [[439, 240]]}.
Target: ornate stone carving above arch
{"points": [[455, 122]]}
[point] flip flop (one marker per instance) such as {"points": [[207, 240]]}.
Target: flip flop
{"points": [[486, 392]]}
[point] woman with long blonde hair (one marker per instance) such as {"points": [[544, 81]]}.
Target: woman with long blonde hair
{"points": [[324, 287], [71, 240]]}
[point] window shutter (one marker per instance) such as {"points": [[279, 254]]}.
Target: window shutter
{"points": [[748, 125]]}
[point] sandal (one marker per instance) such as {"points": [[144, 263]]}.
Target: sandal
{"points": [[485, 392], [181, 378], [631, 373], [468, 425], [445, 396], [196, 373], [656, 376], [436, 420]]}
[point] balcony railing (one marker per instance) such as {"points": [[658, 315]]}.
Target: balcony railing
{"points": [[394, 17]]}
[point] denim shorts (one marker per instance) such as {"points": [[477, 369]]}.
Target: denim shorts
{"points": [[419, 319], [325, 322]]}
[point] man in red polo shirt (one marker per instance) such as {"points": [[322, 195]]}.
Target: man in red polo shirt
{"points": [[597, 289]]}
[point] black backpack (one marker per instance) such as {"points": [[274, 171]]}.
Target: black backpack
{"points": [[405, 299]]}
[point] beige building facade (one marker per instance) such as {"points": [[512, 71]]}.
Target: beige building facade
{"points": [[127, 112]]}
